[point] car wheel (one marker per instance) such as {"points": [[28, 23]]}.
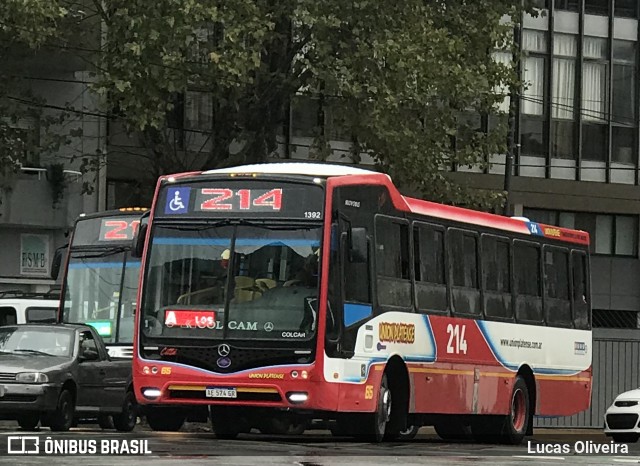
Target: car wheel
{"points": [[62, 418], [105, 422], [409, 433], [126, 420], [29, 421], [625, 438], [165, 419]]}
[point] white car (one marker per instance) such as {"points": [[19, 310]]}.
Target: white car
{"points": [[621, 418]]}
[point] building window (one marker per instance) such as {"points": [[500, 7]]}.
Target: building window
{"points": [[304, 116], [565, 49], [596, 7], [594, 80], [535, 43], [623, 144], [198, 111], [615, 235], [569, 5], [623, 112], [625, 8], [533, 138]]}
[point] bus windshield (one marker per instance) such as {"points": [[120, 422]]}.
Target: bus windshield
{"points": [[100, 290], [236, 282]]}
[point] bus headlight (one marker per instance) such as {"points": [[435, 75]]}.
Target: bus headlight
{"points": [[297, 397], [151, 392]]}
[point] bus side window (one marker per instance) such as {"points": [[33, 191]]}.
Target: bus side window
{"points": [[580, 295], [526, 265], [556, 279], [431, 285], [463, 257], [496, 271]]}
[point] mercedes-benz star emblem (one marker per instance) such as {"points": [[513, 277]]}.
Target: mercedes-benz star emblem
{"points": [[224, 350], [268, 327]]}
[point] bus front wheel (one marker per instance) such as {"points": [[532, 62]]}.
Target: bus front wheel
{"points": [[375, 424], [165, 419]]}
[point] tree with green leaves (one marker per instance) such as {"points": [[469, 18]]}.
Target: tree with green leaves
{"points": [[398, 78]]}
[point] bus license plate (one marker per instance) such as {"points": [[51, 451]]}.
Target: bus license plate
{"points": [[221, 393]]}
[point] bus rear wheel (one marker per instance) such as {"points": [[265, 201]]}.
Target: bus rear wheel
{"points": [[517, 421]]}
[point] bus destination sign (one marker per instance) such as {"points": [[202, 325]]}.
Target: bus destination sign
{"points": [[106, 230], [118, 229], [238, 198]]}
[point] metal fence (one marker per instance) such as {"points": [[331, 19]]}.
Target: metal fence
{"points": [[616, 368]]}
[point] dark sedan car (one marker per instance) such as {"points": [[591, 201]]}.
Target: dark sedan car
{"points": [[55, 373]]}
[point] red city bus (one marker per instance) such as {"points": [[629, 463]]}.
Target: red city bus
{"points": [[277, 293], [101, 277]]}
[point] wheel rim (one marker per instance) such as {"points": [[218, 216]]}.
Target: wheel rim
{"points": [[407, 431], [518, 410], [384, 408]]}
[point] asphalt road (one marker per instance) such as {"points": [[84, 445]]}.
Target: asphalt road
{"points": [[197, 445]]}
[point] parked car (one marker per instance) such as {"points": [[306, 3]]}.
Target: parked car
{"points": [[621, 418], [59, 373], [18, 307]]}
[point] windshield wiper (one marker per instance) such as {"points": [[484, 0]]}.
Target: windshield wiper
{"points": [[108, 252], [30, 351]]}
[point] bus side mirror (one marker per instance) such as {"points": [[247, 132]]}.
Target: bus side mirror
{"points": [[138, 240], [358, 245], [57, 262]]}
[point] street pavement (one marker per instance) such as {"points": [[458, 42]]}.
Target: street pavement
{"points": [[196, 445]]}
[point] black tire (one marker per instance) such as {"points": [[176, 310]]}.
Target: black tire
{"points": [[625, 438], [517, 421], [343, 426], [61, 419], [165, 419], [409, 433], [453, 429], [126, 420], [29, 421], [374, 425], [105, 421], [282, 426], [224, 423], [297, 428]]}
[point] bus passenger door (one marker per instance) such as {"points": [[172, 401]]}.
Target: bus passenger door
{"points": [[349, 285]]}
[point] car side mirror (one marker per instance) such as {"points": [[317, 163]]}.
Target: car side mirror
{"points": [[56, 263], [138, 241], [88, 354]]}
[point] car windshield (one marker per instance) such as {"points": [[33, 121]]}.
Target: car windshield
{"points": [[52, 341], [100, 290], [249, 282]]}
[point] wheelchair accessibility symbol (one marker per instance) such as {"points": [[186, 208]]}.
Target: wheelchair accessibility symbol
{"points": [[177, 201]]}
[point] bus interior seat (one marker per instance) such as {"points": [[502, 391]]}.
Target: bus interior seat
{"points": [[293, 282], [199, 296], [265, 283], [243, 295]]}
